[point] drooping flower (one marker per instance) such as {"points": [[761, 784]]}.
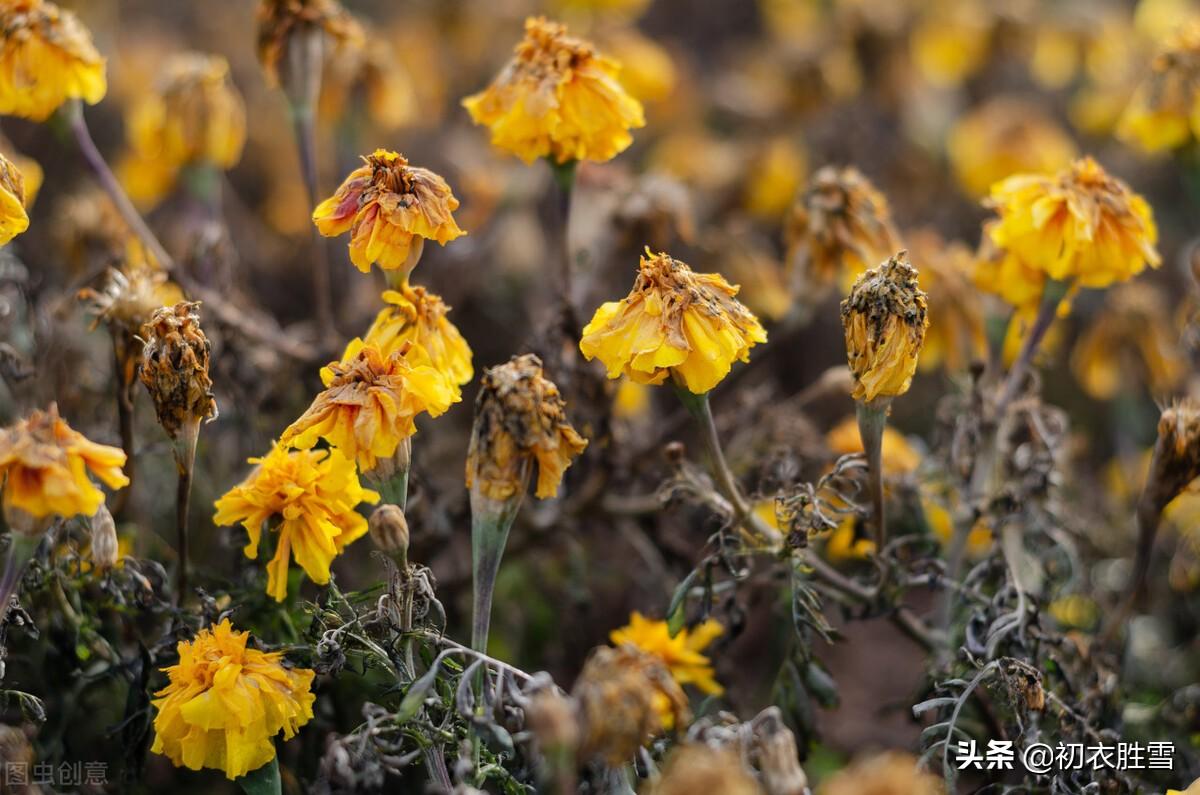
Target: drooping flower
{"points": [[312, 494], [681, 654], [673, 322], [46, 58], [884, 318], [44, 467], [13, 218], [224, 703], [956, 335], [390, 208], [1079, 225], [1002, 137], [1132, 343], [175, 367], [193, 115], [418, 316], [839, 226], [520, 420], [284, 23], [370, 404], [557, 98], [1164, 111]]}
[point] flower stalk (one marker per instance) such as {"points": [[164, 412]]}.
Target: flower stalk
{"points": [[872, 419], [564, 179], [1052, 295], [491, 519]]}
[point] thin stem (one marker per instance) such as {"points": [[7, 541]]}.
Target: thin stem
{"points": [[491, 519], [304, 123], [185, 460], [1052, 294], [125, 406], [564, 179], [872, 418]]}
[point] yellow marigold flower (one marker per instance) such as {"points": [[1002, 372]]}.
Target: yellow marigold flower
{"points": [[557, 98], [1131, 343], [13, 219], [225, 703], [194, 115], [1006, 275], [280, 21], [681, 654], [1079, 225], [1002, 137], [673, 322], [46, 58], [312, 494], [647, 71], [520, 419], [44, 466], [951, 41], [956, 335], [370, 404], [884, 317], [776, 173], [889, 772], [390, 208], [418, 316], [1164, 111], [838, 227]]}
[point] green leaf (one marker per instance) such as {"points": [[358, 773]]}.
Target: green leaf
{"points": [[415, 697], [263, 781], [676, 614]]}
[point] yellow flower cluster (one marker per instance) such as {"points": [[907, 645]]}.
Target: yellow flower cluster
{"points": [[673, 322], [46, 58], [681, 654], [557, 98], [370, 403], [308, 498], [884, 318], [44, 467], [390, 208], [13, 218], [1079, 225], [225, 703]]}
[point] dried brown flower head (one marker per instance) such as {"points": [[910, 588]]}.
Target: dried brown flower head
{"points": [[625, 697], [520, 419], [175, 367], [884, 317], [1176, 461], [281, 20], [695, 767], [838, 227], [389, 529], [125, 304]]}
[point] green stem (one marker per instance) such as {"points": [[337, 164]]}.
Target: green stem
{"points": [[564, 178], [185, 462], [1052, 295], [490, 522], [872, 419]]}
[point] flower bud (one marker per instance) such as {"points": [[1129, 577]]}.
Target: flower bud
{"points": [[389, 530], [884, 318], [105, 551]]}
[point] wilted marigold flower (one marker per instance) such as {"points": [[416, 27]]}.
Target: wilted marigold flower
{"points": [[225, 703], [839, 226], [390, 208], [557, 98], [1079, 225], [1002, 137], [673, 322], [44, 467], [194, 115], [625, 697], [884, 317], [890, 773], [951, 40], [46, 58], [1164, 111], [695, 767], [175, 367], [13, 218], [280, 21], [681, 654], [125, 303], [370, 403], [520, 419], [418, 316], [312, 494], [1176, 460]]}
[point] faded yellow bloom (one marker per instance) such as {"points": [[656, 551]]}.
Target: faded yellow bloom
{"points": [[194, 114], [648, 72], [676, 322], [124, 303], [224, 703], [956, 335], [884, 318], [46, 58], [1002, 137], [839, 226], [1164, 111], [1079, 225], [13, 219], [308, 498], [44, 467], [681, 654], [390, 208], [624, 697], [775, 174], [632, 400], [1130, 343], [557, 98], [520, 420], [1056, 55], [370, 404], [951, 41], [175, 367], [889, 773], [696, 768], [1006, 275], [373, 72], [281, 22], [418, 316]]}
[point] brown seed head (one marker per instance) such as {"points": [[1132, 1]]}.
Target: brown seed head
{"points": [[175, 367]]}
